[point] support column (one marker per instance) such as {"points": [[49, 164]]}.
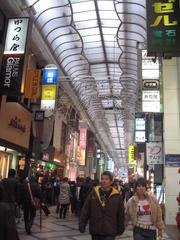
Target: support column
{"points": [[171, 80]]}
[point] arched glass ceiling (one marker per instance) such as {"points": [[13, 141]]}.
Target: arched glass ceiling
{"points": [[96, 43]]}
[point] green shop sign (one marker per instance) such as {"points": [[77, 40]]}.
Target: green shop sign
{"points": [[163, 28], [50, 166]]}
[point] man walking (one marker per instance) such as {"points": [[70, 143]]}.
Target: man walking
{"points": [[11, 192], [104, 209]]}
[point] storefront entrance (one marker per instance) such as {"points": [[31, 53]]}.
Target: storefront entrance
{"points": [[5, 163]]}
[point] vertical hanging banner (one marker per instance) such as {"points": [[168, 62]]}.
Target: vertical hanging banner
{"points": [[49, 88], [13, 56], [32, 85], [83, 137], [163, 28]]}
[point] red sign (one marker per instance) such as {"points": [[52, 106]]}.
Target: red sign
{"points": [[83, 136]]}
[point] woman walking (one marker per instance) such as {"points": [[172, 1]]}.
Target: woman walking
{"points": [[64, 197], [144, 211]]}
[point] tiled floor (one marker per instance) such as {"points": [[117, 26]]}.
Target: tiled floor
{"points": [[54, 228]]}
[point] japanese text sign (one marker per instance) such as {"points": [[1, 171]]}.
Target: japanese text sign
{"points": [[154, 153], [13, 56], [16, 36], [163, 27]]}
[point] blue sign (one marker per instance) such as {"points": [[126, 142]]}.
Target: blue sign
{"points": [[172, 160], [50, 75]]}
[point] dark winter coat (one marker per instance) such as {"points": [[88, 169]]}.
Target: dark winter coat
{"points": [[10, 190], [85, 189], [25, 197], [7, 223], [105, 220]]}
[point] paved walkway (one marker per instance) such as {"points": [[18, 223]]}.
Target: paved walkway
{"points": [[54, 228]]}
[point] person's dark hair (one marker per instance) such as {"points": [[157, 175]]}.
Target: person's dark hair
{"points": [[88, 180], [33, 179], [109, 174], [141, 182], [65, 179], [12, 172]]}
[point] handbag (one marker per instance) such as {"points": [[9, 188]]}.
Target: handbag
{"points": [[34, 200]]}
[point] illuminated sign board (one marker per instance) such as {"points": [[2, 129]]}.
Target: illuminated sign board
{"points": [[13, 56], [151, 96], [48, 96], [50, 75], [140, 136], [140, 124], [151, 107], [48, 107], [151, 84], [131, 154], [48, 92], [83, 136], [16, 36], [163, 27]]}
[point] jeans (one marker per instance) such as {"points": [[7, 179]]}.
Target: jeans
{"points": [[101, 237], [143, 234]]}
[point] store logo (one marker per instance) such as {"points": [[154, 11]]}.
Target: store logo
{"points": [[12, 70], [16, 123]]}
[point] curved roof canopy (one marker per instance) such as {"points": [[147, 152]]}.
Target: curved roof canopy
{"points": [[96, 43]]}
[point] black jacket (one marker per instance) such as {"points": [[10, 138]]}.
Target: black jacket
{"points": [[85, 189], [7, 223], [11, 192], [108, 219], [25, 197]]}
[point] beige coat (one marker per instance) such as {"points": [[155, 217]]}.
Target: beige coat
{"points": [[156, 213]]}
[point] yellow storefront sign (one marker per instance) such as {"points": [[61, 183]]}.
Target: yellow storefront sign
{"points": [[131, 155], [32, 84], [48, 92]]}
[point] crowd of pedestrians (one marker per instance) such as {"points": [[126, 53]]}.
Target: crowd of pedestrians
{"points": [[108, 206]]}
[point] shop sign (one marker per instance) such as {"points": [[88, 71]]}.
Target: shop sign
{"points": [[81, 157], [45, 157], [15, 124], [149, 62], [151, 107], [140, 124], [48, 96], [172, 160], [48, 107], [163, 27], [154, 153], [140, 136], [50, 166], [48, 92], [83, 136], [151, 96], [131, 155], [150, 73], [16, 35], [32, 84], [50, 74], [22, 164], [39, 116], [13, 56], [151, 84]]}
